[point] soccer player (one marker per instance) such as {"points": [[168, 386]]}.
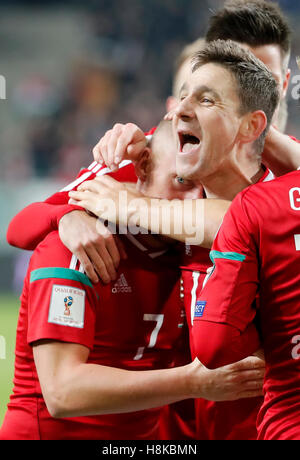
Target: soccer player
{"points": [[277, 144], [82, 349], [219, 93], [257, 252], [261, 27]]}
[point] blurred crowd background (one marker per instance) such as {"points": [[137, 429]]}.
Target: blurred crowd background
{"points": [[75, 68], [72, 70]]}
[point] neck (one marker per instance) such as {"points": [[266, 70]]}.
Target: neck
{"points": [[230, 181]]}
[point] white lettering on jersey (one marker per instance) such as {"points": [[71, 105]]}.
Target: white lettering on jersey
{"points": [[297, 242], [196, 276], [67, 306], [295, 198], [158, 319]]}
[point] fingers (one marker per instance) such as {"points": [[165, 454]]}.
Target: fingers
{"points": [[169, 116], [116, 139], [113, 147], [121, 248], [249, 363], [248, 394], [124, 142], [113, 250], [253, 385], [100, 150], [135, 150], [102, 262], [250, 375], [78, 195], [87, 265], [260, 354]]}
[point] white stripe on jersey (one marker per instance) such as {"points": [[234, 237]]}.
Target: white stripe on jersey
{"points": [[76, 182], [135, 242], [81, 269], [73, 262], [196, 276], [92, 165], [107, 170], [96, 169], [93, 168]]}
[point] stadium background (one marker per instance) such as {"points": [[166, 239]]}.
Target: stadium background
{"points": [[72, 70]]}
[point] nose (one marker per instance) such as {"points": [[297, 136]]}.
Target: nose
{"points": [[185, 109]]}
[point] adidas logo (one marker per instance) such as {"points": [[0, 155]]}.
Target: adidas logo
{"points": [[121, 286]]}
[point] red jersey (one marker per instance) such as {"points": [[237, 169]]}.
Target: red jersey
{"points": [[136, 323], [257, 250], [177, 420], [215, 420]]}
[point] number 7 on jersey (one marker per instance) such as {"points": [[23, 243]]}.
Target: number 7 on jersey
{"points": [[159, 319]]}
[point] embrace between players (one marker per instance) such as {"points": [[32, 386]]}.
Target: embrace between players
{"points": [[149, 322]]}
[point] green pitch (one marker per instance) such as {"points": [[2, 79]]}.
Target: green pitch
{"points": [[9, 309]]}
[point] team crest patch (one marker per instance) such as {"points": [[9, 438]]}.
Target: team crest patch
{"points": [[199, 309], [67, 306]]}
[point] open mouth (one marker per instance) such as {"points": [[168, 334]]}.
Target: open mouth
{"points": [[188, 142]]}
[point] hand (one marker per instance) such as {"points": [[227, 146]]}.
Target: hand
{"points": [[91, 195], [123, 142], [170, 115], [90, 241], [240, 380]]}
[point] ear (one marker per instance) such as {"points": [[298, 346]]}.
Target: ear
{"points": [[252, 126], [143, 165], [286, 82], [171, 103]]}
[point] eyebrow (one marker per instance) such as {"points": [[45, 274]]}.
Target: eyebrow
{"points": [[200, 90], [205, 89]]}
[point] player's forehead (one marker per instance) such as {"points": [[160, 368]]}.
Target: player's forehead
{"points": [[213, 78], [182, 75]]}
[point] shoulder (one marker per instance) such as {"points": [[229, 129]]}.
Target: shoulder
{"points": [[262, 190], [51, 253]]}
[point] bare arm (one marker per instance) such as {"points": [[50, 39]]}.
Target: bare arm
{"points": [[71, 387], [192, 221]]}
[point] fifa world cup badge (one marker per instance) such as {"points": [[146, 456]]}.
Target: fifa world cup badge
{"points": [[68, 304]]}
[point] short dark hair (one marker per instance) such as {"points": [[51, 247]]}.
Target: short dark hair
{"points": [[253, 22], [257, 88]]}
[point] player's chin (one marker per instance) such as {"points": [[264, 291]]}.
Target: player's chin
{"points": [[186, 169]]}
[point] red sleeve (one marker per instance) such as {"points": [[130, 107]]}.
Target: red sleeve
{"points": [[226, 301], [219, 336], [30, 226], [62, 302]]}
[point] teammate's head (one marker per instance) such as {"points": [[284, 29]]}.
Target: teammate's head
{"points": [[226, 108], [182, 71], [261, 27], [156, 168]]}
